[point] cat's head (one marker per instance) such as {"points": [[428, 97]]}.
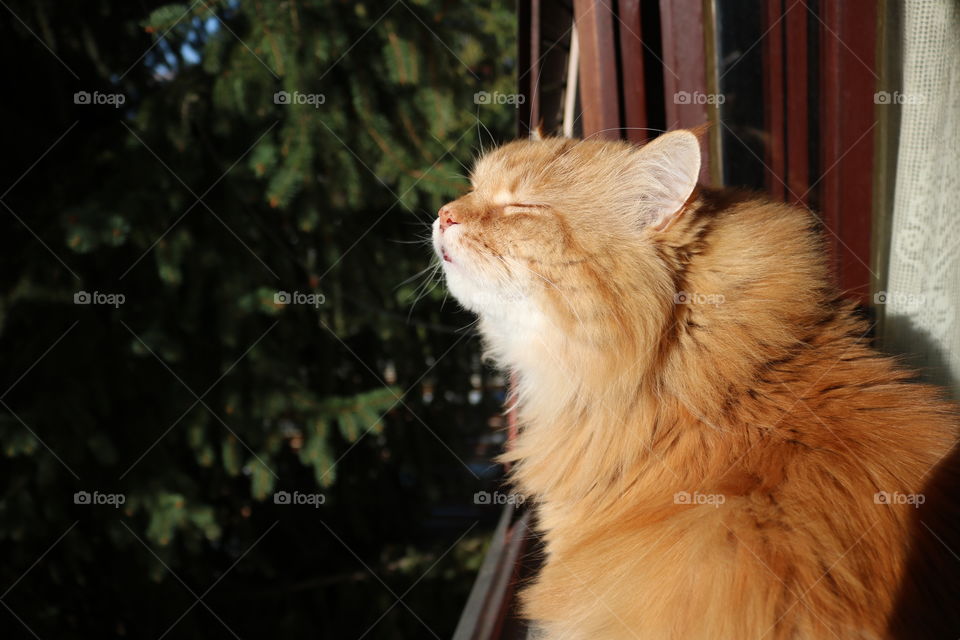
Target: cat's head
{"points": [[560, 233]]}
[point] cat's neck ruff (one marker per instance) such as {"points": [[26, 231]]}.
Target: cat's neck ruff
{"points": [[524, 340]]}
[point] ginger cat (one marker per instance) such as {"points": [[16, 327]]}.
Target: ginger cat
{"points": [[713, 448]]}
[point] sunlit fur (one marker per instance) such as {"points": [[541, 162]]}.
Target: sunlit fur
{"points": [[761, 389]]}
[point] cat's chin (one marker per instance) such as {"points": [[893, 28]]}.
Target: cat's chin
{"points": [[510, 319], [465, 288], [467, 292]]}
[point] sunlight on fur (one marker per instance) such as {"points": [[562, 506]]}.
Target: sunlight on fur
{"points": [[713, 448]]}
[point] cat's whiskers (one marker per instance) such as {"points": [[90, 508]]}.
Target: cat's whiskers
{"points": [[425, 289], [419, 241], [469, 325], [431, 267], [479, 136], [430, 282]]}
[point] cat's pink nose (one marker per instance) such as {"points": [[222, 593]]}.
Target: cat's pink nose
{"points": [[448, 217]]}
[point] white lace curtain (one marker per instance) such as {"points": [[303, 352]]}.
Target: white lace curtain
{"points": [[921, 299]]}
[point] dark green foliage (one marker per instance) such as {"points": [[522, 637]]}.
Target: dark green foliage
{"points": [[203, 201]]}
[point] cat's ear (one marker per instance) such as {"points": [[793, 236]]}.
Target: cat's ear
{"points": [[536, 134], [665, 174]]}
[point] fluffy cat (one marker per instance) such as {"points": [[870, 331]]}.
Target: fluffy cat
{"points": [[713, 448]]}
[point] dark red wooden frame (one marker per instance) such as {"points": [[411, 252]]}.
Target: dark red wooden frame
{"points": [[599, 82], [528, 57], [490, 610], [635, 120], [685, 69], [848, 118], [846, 82]]}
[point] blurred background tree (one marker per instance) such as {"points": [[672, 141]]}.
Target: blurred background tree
{"points": [[254, 179]]}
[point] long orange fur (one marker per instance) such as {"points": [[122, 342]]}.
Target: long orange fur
{"points": [[713, 448]]}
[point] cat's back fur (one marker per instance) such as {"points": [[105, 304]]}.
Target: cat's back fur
{"points": [[765, 395]]}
